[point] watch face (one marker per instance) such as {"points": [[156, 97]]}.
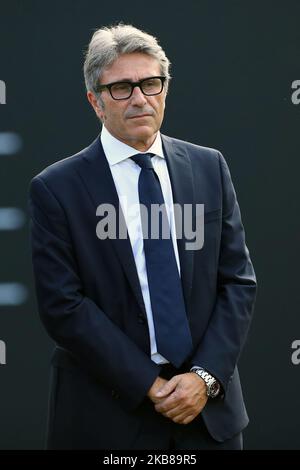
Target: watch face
{"points": [[214, 389]]}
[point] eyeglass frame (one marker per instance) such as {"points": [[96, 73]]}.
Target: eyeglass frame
{"points": [[108, 86]]}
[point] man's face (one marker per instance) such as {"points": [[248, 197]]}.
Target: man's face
{"points": [[136, 120]]}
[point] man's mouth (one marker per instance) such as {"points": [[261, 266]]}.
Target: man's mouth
{"points": [[140, 116]]}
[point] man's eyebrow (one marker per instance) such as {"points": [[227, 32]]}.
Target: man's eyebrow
{"points": [[130, 79], [124, 80]]}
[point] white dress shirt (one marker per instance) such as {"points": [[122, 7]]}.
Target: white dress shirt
{"points": [[125, 173]]}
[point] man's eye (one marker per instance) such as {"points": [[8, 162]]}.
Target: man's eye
{"points": [[149, 83], [153, 85], [121, 87]]}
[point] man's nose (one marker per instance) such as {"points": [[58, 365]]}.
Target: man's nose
{"points": [[137, 97]]}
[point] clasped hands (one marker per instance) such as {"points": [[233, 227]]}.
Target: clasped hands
{"points": [[181, 398]]}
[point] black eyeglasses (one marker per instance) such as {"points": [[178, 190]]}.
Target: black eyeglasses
{"points": [[123, 90]]}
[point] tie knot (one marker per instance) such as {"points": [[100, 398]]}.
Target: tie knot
{"points": [[143, 160]]}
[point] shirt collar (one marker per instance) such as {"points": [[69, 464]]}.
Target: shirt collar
{"points": [[116, 151]]}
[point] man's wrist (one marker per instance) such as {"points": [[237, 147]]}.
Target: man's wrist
{"points": [[212, 385]]}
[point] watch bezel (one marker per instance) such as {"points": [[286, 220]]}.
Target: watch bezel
{"points": [[214, 389]]}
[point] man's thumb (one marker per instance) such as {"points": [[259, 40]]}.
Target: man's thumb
{"points": [[166, 389]]}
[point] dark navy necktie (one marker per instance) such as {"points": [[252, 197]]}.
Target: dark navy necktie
{"points": [[172, 333]]}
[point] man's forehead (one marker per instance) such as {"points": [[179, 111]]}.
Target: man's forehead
{"points": [[128, 66]]}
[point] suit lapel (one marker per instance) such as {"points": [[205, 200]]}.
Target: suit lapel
{"points": [[100, 185], [181, 176]]}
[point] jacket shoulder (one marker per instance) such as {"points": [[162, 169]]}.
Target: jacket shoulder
{"points": [[66, 166], [194, 150], [61, 168]]}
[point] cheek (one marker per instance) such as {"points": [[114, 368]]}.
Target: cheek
{"points": [[114, 115], [159, 107]]}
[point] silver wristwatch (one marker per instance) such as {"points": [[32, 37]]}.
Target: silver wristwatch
{"points": [[212, 385]]}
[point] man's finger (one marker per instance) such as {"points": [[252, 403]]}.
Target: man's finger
{"points": [[168, 387], [163, 408], [183, 419]]}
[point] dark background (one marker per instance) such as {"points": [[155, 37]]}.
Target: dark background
{"points": [[233, 66]]}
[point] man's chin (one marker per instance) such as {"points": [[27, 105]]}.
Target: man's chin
{"points": [[144, 138], [143, 133]]}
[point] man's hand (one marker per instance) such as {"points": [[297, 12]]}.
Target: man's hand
{"points": [[157, 385], [182, 398]]}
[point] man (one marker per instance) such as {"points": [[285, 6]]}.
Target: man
{"points": [[148, 329]]}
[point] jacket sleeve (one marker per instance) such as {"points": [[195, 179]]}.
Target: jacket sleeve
{"points": [[73, 320], [227, 330]]}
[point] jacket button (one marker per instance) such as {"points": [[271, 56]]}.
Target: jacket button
{"points": [[142, 319]]}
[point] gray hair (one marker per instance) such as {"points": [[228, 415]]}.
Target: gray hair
{"points": [[108, 43]]}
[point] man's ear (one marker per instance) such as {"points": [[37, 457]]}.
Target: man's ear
{"points": [[96, 105]]}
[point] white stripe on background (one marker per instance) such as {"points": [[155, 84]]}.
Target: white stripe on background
{"points": [[2, 352], [12, 294], [10, 143], [2, 92], [11, 218]]}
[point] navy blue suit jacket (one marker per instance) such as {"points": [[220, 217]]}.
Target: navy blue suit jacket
{"points": [[91, 304]]}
